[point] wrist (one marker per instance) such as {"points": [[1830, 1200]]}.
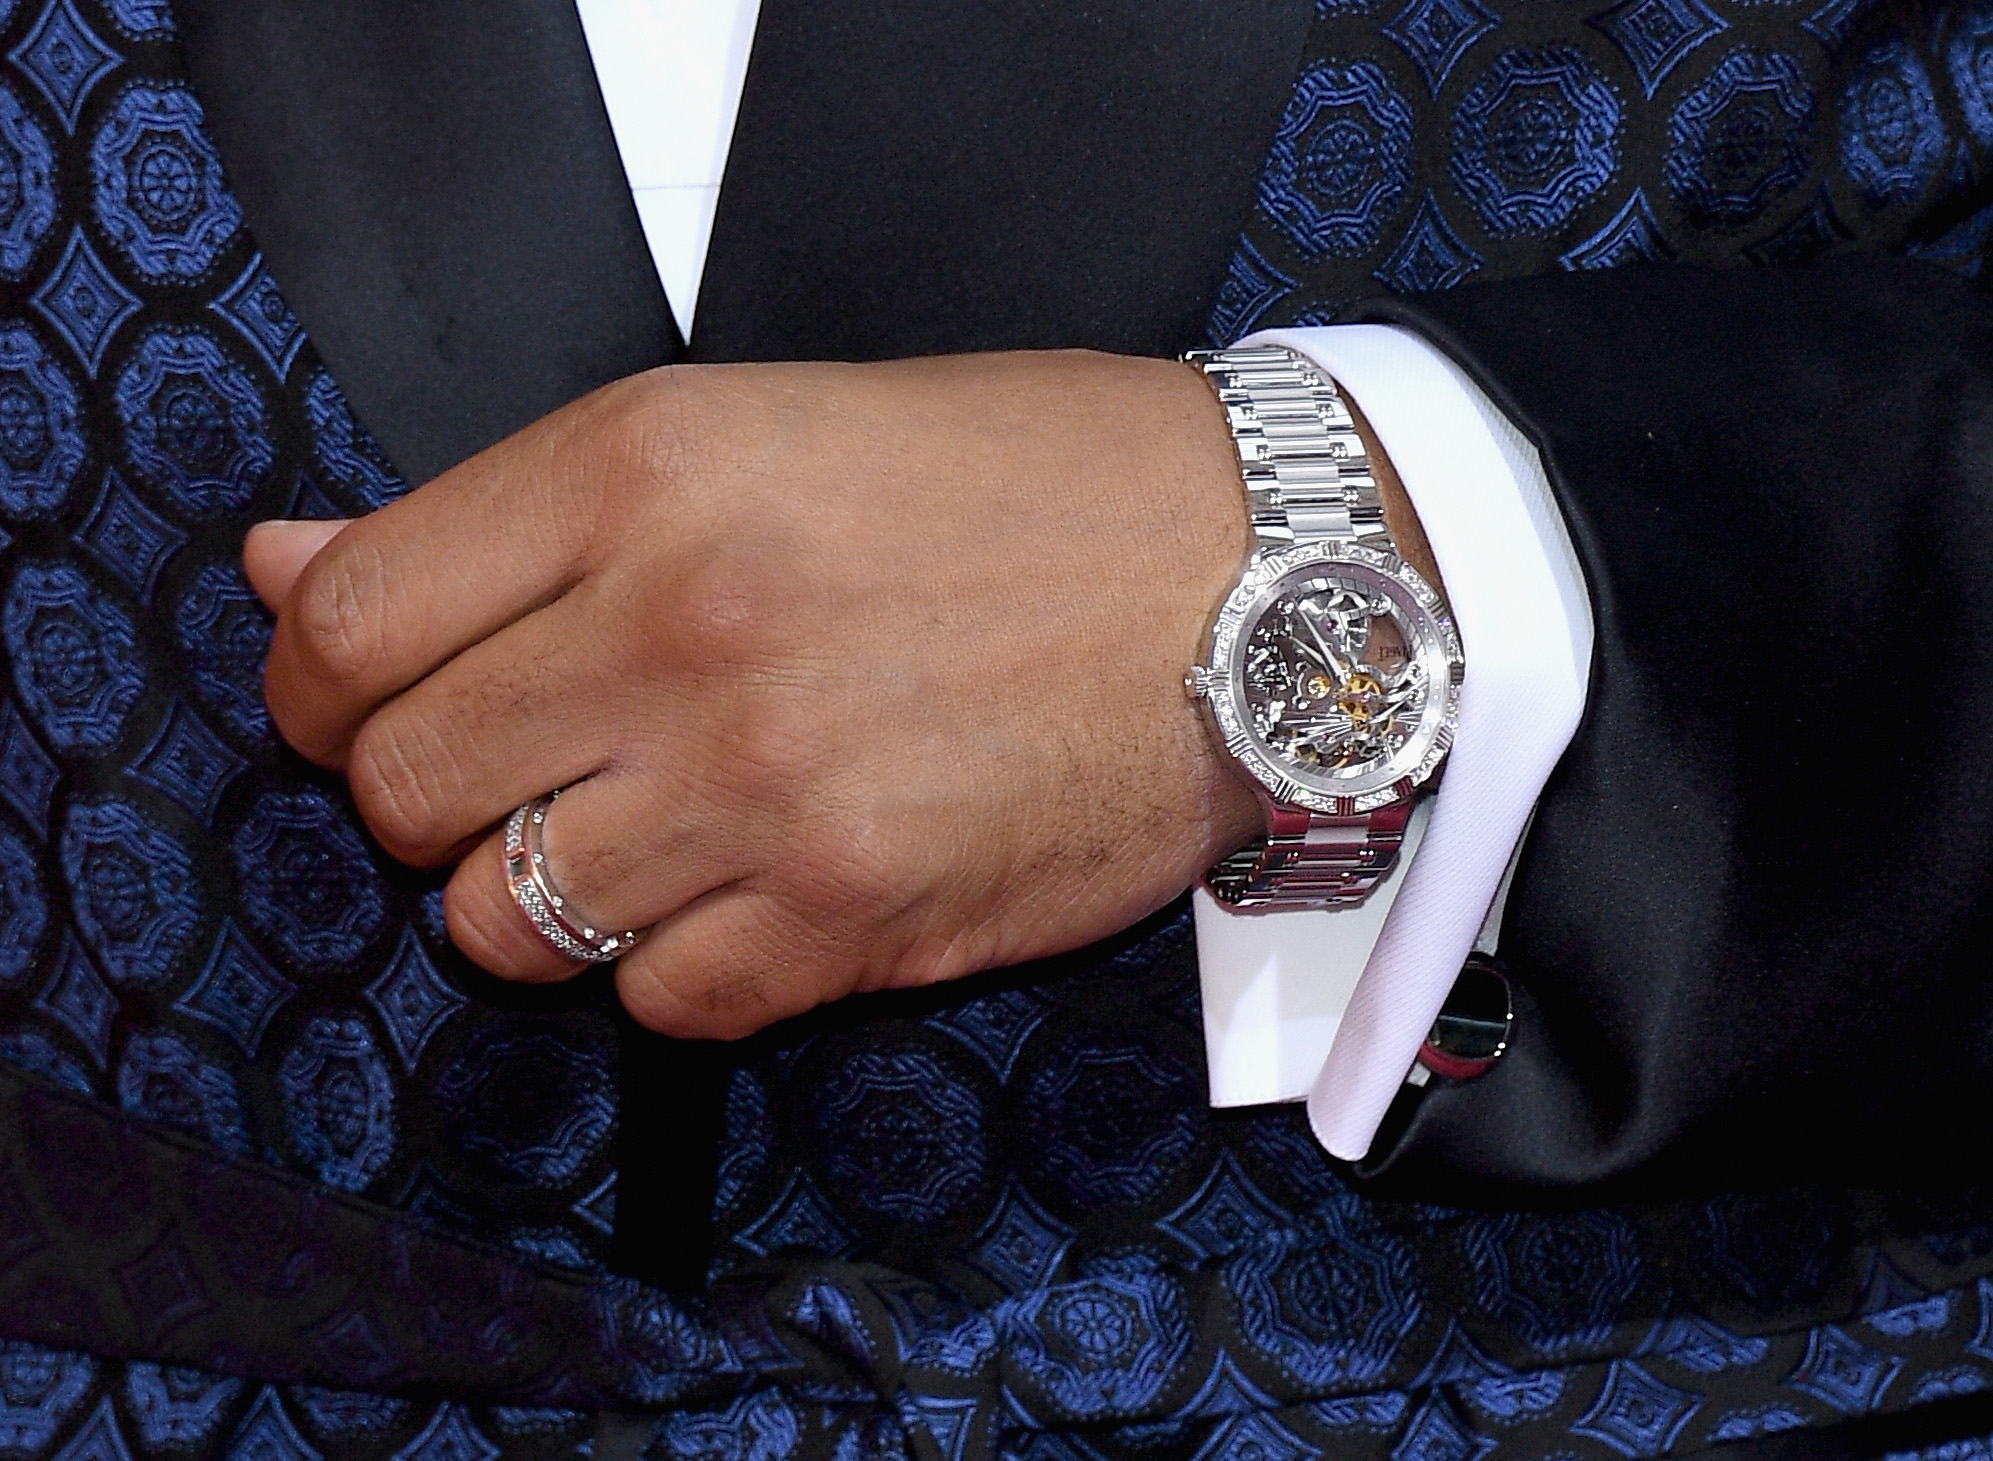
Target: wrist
{"points": [[1213, 541]]}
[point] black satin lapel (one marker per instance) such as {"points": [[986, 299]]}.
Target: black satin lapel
{"points": [[438, 193], [908, 178]]}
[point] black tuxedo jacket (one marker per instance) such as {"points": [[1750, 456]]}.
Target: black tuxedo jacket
{"points": [[1750, 921]]}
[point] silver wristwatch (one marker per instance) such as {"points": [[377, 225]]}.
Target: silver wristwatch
{"points": [[1335, 669]]}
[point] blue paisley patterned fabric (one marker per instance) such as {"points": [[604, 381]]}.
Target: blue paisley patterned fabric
{"points": [[197, 929], [1441, 140], [918, 1290], [281, 1177]]}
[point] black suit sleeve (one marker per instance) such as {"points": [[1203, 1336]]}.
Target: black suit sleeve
{"points": [[1751, 922]]}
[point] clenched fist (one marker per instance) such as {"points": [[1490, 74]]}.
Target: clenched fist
{"points": [[857, 676]]}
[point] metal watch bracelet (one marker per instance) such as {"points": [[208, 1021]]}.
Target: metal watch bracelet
{"points": [[1307, 479]]}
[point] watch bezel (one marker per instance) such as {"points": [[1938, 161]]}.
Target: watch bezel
{"points": [[1223, 675]]}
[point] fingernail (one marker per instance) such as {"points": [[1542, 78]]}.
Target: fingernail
{"points": [[299, 535], [277, 551]]}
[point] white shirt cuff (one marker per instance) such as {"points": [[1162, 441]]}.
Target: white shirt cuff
{"points": [[1334, 1005]]}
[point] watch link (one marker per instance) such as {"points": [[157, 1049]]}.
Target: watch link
{"points": [[1334, 670]]}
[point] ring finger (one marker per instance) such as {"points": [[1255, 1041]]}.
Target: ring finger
{"points": [[615, 868]]}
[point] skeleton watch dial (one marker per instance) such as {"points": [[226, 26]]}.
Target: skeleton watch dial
{"points": [[1342, 671], [1330, 682]]}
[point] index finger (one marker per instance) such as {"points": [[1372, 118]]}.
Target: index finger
{"points": [[403, 590]]}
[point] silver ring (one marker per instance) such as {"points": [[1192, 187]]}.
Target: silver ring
{"points": [[544, 906]]}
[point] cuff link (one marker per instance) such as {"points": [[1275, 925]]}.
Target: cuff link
{"points": [[1474, 1024]]}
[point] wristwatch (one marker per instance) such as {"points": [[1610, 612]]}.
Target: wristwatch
{"points": [[1334, 671]]}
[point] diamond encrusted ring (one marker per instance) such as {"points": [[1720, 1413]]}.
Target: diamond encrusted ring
{"points": [[533, 890]]}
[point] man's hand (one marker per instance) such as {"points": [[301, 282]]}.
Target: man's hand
{"points": [[859, 676]]}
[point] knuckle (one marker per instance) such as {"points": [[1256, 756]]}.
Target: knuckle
{"points": [[340, 633], [633, 435], [726, 615], [401, 777], [659, 421], [648, 417], [859, 865], [708, 994]]}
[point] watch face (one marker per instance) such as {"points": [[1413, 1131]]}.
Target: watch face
{"points": [[1342, 671]]}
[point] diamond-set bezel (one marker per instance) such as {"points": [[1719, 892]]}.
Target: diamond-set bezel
{"points": [[1438, 644]]}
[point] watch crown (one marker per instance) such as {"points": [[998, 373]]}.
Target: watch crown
{"points": [[1194, 683]]}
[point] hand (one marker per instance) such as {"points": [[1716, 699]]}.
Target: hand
{"points": [[860, 676]]}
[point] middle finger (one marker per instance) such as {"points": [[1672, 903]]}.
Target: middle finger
{"points": [[538, 705]]}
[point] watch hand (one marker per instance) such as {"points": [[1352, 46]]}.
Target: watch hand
{"points": [[1313, 656], [1333, 665]]}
